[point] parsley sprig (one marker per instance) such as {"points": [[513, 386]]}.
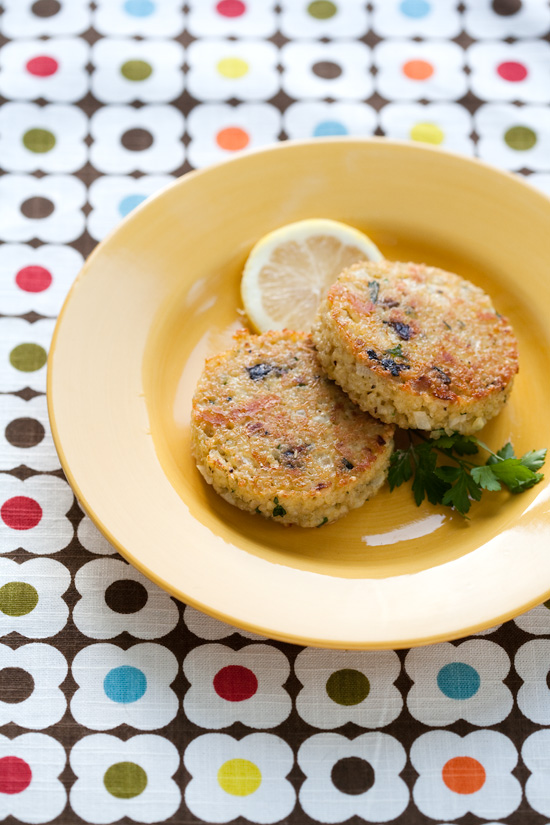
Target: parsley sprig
{"points": [[458, 484]]}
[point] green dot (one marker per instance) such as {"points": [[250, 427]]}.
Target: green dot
{"points": [[322, 9], [18, 598], [347, 687], [125, 780], [520, 138], [28, 357], [136, 70], [39, 140]]}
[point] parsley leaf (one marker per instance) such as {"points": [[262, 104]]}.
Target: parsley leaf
{"points": [[400, 468], [396, 352], [486, 479], [426, 483], [534, 459], [461, 492]]}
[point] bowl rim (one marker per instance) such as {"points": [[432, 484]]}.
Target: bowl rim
{"points": [[127, 554]]}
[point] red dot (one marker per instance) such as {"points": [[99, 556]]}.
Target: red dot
{"points": [[512, 71], [231, 8], [235, 683], [33, 278], [42, 66], [21, 513], [15, 774]]}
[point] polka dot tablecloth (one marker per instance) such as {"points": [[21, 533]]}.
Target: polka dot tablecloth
{"points": [[116, 702]]}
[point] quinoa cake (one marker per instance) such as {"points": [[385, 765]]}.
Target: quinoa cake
{"points": [[274, 436], [416, 346]]}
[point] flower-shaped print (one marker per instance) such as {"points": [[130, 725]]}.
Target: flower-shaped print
{"points": [[23, 353], [29, 685], [218, 130], [52, 69], [416, 18], [130, 687], [48, 138], [510, 71], [115, 196], [323, 18], [36, 280], [118, 779], [535, 756], [245, 777], [29, 786], [223, 69], [459, 682], [342, 686], [232, 18], [514, 137], [353, 777], [46, 208], [91, 539], [536, 621], [30, 597], [532, 664], [33, 514], [460, 775], [502, 18], [319, 70], [25, 435], [147, 70], [320, 119], [412, 71], [144, 140], [243, 685], [116, 598], [144, 18], [39, 18], [207, 627], [535, 617], [441, 124]]}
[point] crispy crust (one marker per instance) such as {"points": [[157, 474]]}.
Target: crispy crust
{"points": [[416, 346], [272, 433]]}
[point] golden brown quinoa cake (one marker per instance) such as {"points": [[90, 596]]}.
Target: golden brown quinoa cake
{"points": [[275, 436], [416, 346]]}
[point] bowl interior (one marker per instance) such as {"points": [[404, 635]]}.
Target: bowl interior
{"points": [[162, 293]]}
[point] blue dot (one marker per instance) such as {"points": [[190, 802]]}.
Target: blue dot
{"points": [[139, 8], [130, 202], [458, 680], [125, 684], [415, 8], [329, 128]]}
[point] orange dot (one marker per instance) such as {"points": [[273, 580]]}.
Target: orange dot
{"points": [[232, 138], [418, 69], [463, 774]]}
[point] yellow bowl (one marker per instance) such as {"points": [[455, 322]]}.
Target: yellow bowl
{"points": [[161, 293]]}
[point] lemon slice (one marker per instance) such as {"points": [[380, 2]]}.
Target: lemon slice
{"points": [[289, 270]]}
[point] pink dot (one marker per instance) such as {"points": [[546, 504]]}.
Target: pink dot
{"points": [[235, 683], [42, 66], [512, 71], [21, 513], [33, 279], [231, 8], [15, 775]]}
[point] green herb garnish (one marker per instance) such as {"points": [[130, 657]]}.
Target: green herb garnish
{"points": [[278, 510], [456, 485], [323, 522], [396, 352]]}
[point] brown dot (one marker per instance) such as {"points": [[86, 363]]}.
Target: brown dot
{"points": [[326, 69], [16, 685], [352, 775], [45, 8], [136, 140], [37, 207], [126, 596], [25, 432], [506, 7]]}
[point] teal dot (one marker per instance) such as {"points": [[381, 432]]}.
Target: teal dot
{"points": [[329, 128], [415, 8], [125, 684], [130, 202], [139, 8], [458, 680]]}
